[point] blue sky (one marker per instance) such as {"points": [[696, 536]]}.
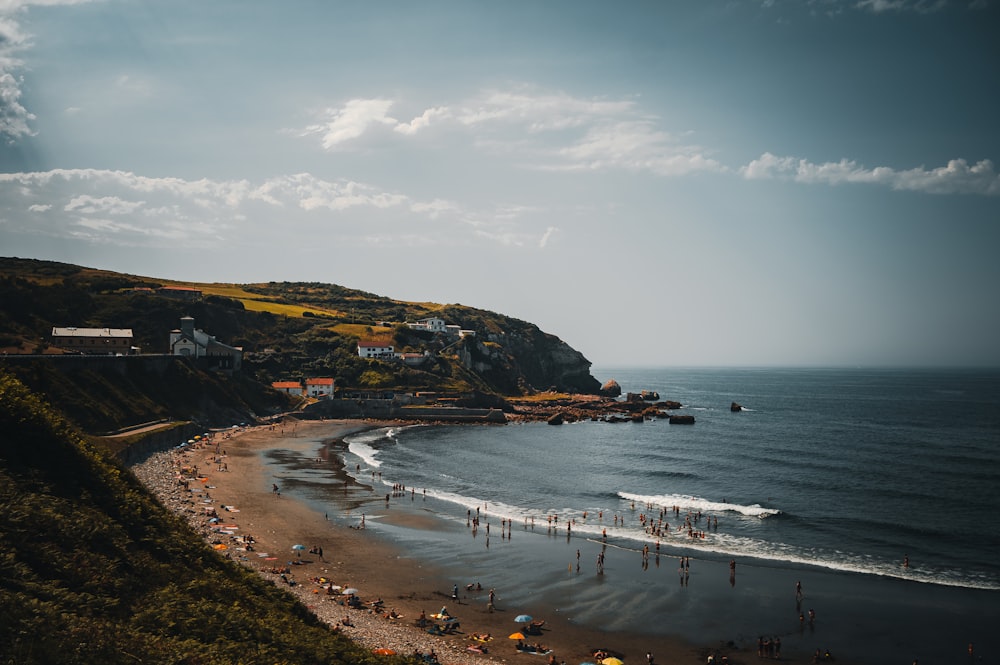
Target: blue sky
{"points": [[658, 183]]}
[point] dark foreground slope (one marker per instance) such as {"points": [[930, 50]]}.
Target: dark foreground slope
{"points": [[94, 570]]}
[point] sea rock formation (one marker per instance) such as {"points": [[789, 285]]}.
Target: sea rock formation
{"points": [[610, 389]]}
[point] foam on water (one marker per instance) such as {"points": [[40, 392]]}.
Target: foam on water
{"points": [[693, 503], [819, 471]]}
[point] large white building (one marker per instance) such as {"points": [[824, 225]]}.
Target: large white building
{"points": [[432, 324], [368, 348], [191, 342]]}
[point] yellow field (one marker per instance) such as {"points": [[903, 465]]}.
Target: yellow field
{"points": [[360, 330], [255, 302]]}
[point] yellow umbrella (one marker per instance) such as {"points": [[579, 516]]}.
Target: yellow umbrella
{"points": [[612, 661], [220, 546], [516, 636]]}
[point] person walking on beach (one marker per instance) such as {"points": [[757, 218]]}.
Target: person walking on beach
{"points": [[454, 592], [798, 591]]}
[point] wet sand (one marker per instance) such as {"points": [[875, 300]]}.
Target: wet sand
{"points": [[630, 609]]}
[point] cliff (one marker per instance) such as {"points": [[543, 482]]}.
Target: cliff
{"points": [[527, 359]]}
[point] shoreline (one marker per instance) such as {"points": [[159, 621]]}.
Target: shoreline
{"points": [[400, 559], [359, 557]]}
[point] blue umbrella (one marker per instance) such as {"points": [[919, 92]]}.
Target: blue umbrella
{"points": [[298, 547], [522, 618]]}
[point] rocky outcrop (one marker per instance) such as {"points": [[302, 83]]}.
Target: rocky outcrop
{"points": [[610, 389], [735, 408], [524, 359], [682, 420]]}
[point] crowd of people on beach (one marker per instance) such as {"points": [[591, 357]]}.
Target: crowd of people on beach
{"points": [[372, 622], [175, 477]]}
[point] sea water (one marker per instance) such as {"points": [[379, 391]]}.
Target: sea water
{"points": [[853, 470], [836, 477]]}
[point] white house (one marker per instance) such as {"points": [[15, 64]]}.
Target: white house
{"points": [[432, 324], [187, 341], [319, 388], [368, 348]]}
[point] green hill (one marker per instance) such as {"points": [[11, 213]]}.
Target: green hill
{"points": [[94, 570], [292, 331]]}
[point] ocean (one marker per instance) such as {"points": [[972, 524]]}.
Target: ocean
{"points": [[883, 480]]}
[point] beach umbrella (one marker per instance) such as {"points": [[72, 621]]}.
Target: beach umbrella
{"points": [[516, 636], [348, 591], [298, 547], [612, 661], [522, 618], [220, 546], [385, 652]]}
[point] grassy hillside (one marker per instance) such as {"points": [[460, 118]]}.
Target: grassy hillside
{"points": [[291, 330], [94, 570]]}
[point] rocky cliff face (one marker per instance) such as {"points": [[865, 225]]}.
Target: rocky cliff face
{"points": [[525, 359]]}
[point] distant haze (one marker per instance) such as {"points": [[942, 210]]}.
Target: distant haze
{"points": [[679, 183]]}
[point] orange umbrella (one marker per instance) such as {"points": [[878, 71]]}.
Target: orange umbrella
{"points": [[220, 546], [385, 652], [516, 636]]}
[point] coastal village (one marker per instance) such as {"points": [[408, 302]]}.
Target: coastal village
{"points": [[188, 341]]}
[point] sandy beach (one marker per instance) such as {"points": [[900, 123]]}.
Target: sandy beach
{"points": [[235, 480], [243, 498]]}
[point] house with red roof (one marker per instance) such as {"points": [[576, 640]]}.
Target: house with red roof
{"points": [[288, 387], [320, 388], [370, 348]]}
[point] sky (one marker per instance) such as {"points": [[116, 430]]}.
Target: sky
{"points": [[685, 182]]}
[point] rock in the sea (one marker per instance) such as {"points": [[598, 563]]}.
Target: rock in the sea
{"points": [[682, 420], [650, 396], [610, 389], [734, 407], [556, 419]]}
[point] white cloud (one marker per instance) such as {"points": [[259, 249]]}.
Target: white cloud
{"points": [[549, 232], [554, 130], [309, 193], [921, 6], [129, 209], [111, 205], [434, 208], [540, 111], [635, 145], [423, 120], [15, 119], [350, 121], [957, 177]]}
